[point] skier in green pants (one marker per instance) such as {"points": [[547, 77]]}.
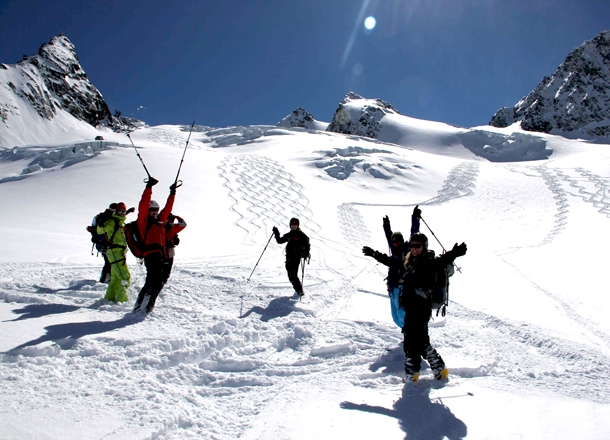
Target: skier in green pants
{"points": [[120, 278]]}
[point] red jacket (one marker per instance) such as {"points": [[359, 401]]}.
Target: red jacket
{"points": [[151, 230], [171, 230]]}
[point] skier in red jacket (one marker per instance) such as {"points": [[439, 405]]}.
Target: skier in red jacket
{"points": [[171, 241], [150, 224]]}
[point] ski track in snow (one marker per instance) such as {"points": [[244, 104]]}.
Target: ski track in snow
{"points": [[458, 183], [171, 138], [592, 189], [264, 194]]}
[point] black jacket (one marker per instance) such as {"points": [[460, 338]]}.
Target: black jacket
{"points": [[421, 272], [298, 244]]}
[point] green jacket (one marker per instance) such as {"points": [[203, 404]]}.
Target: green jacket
{"points": [[118, 237]]}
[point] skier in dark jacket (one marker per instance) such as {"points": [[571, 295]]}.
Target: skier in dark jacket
{"points": [[421, 267], [395, 261], [298, 247], [398, 247]]}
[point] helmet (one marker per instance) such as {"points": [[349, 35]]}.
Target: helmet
{"points": [[112, 206], [397, 235], [294, 221], [153, 205], [120, 207], [418, 237]]}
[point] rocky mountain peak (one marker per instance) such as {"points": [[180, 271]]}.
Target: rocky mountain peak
{"points": [[576, 98], [298, 118], [359, 116], [52, 81]]}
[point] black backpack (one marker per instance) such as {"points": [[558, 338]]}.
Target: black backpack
{"points": [[438, 292], [101, 244], [437, 289]]}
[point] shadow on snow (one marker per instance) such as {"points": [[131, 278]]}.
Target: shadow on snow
{"points": [[420, 417], [39, 310], [277, 308], [67, 335]]}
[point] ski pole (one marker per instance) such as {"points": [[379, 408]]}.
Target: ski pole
{"points": [[178, 183], [439, 242], [303, 273], [140, 157], [259, 258]]}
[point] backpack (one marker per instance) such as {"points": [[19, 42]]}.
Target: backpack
{"points": [[136, 242], [99, 240], [438, 293]]}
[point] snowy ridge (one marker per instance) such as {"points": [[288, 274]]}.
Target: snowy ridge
{"points": [[574, 100], [48, 95]]}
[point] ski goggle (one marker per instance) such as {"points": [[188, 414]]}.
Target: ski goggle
{"points": [[120, 212], [416, 245]]}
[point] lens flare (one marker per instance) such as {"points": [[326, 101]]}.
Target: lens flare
{"points": [[370, 23]]}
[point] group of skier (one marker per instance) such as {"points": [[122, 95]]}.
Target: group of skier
{"points": [[158, 231], [413, 280]]}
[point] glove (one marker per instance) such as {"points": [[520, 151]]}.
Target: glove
{"points": [[172, 189], [459, 250], [151, 182], [276, 231], [416, 212], [130, 210], [386, 221], [368, 251]]}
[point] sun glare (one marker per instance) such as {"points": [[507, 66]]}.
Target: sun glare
{"points": [[370, 22]]}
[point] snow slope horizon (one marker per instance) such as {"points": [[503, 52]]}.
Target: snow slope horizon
{"points": [[222, 358]]}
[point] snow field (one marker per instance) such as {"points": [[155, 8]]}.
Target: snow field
{"points": [[525, 338]]}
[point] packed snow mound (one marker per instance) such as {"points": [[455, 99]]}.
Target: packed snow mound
{"points": [[301, 118], [37, 158], [340, 163], [51, 91], [574, 100]]}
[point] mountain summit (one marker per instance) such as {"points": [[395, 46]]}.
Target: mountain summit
{"points": [[52, 85], [575, 99], [54, 80], [359, 116]]}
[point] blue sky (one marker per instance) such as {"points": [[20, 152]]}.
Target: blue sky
{"points": [[222, 63]]}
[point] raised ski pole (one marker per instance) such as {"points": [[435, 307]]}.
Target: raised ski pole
{"points": [[259, 258], [139, 157], [439, 242], [178, 183]]}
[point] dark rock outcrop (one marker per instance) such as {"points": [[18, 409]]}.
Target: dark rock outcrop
{"points": [[298, 118]]}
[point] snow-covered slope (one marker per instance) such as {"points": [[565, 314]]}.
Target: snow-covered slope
{"points": [[574, 101], [377, 119], [48, 96], [526, 337]]}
